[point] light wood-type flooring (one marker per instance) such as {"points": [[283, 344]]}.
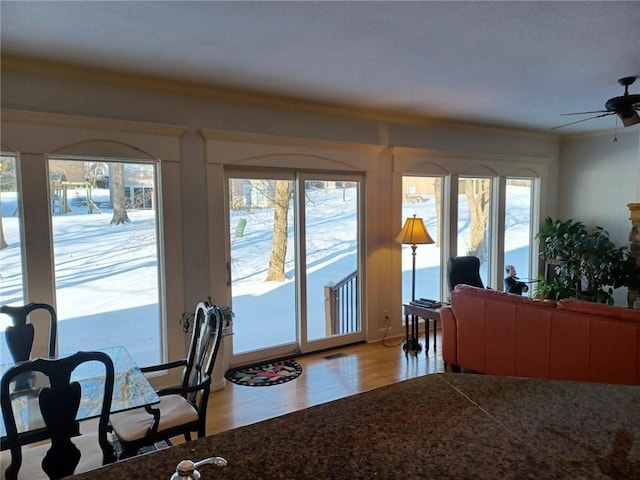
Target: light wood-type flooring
{"points": [[326, 376]]}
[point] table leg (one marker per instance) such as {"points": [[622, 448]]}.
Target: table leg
{"points": [[435, 329], [426, 336], [416, 335], [406, 334], [411, 341]]}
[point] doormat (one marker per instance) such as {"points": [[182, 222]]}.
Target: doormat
{"points": [[265, 374]]}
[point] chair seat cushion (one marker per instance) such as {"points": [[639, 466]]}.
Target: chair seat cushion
{"points": [[31, 468], [134, 424]]}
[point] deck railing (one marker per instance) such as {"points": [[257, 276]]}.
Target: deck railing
{"points": [[342, 306]]}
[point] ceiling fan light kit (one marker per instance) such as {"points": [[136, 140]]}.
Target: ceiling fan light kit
{"points": [[626, 107]]}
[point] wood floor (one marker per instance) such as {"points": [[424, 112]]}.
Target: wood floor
{"points": [[326, 376]]}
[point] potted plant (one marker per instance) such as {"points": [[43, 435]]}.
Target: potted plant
{"points": [[603, 266], [227, 316], [186, 318], [586, 263], [562, 243]]}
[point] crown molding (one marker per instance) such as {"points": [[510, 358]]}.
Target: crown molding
{"points": [[72, 121], [49, 67]]}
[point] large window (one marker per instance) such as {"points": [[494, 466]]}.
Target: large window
{"points": [[517, 225], [11, 258], [422, 197], [105, 254], [474, 215], [106, 257], [476, 210]]}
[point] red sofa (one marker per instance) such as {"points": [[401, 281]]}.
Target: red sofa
{"points": [[487, 331]]}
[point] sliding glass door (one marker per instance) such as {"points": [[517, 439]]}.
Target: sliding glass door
{"points": [[263, 273], [295, 250], [331, 248]]}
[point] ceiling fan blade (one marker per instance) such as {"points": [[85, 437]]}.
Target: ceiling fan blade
{"points": [[631, 120], [585, 113], [584, 120]]}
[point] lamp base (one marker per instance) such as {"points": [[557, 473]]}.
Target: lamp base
{"points": [[412, 345]]}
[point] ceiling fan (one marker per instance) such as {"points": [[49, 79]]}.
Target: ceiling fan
{"points": [[626, 107]]}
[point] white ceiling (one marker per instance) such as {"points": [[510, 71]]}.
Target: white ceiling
{"points": [[504, 63]]}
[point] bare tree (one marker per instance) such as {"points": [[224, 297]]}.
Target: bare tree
{"points": [[279, 244], [116, 178], [477, 191]]}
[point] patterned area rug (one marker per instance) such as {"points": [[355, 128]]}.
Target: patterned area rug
{"points": [[265, 374]]}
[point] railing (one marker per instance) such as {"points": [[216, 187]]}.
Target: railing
{"points": [[342, 306]]}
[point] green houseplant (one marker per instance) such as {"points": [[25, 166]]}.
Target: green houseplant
{"points": [[561, 244], [586, 263], [186, 318]]}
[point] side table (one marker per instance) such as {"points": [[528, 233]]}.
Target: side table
{"points": [[412, 312]]}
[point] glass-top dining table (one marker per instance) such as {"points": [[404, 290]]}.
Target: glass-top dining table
{"points": [[131, 390]]}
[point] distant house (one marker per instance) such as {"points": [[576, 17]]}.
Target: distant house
{"points": [[83, 177]]}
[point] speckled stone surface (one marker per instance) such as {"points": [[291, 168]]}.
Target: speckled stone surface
{"points": [[443, 426]]}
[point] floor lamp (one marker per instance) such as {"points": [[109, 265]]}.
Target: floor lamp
{"points": [[413, 233]]}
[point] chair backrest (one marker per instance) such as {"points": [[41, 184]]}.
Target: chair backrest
{"points": [[203, 350], [21, 334], [465, 270], [59, 400]]}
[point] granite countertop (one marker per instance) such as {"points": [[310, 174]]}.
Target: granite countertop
{"points": [[441, 426]]}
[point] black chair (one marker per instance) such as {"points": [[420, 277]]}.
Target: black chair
{"points": [[465, 270], [21, 334], [58, 397], [182, 409]]}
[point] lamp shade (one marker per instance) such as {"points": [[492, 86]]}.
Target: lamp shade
{"points": [[414, 232]]}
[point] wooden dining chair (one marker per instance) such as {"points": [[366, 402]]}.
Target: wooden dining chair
{"points": [[182, 409], [21, 334], [68, 451]]}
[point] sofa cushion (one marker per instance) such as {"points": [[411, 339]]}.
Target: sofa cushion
{"points": [[600, 309]]}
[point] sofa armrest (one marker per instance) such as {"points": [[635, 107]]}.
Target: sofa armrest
{"points": [[449, 335]]}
